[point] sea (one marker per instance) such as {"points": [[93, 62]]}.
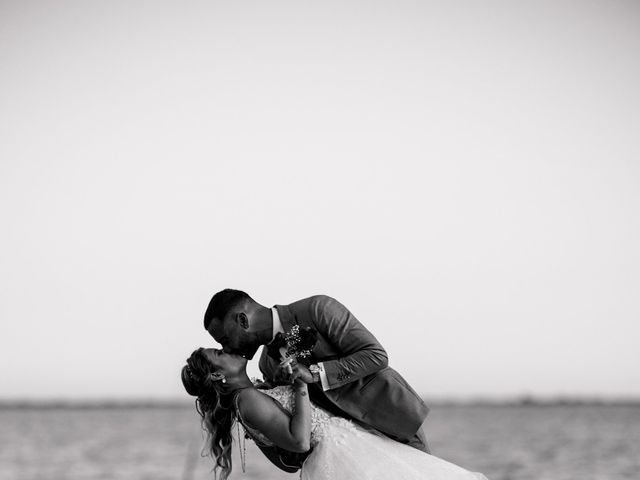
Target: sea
{"points": [[157, 442]]}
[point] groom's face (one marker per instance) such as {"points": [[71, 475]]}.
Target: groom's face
{"points": [[232, 332]]}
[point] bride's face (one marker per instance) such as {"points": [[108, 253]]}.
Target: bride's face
{"points": [[227, 362]]}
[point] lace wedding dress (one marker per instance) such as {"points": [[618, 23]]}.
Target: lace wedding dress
{"points": [[343, 450]]}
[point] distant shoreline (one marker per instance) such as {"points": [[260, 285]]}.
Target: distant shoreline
{"points": [[102, 404], [91, 404]]}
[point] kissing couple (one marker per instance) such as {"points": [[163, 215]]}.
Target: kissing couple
{"points": [[333, 410]]}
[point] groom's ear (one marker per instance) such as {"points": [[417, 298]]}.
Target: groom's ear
{"points": [[243, 320]]}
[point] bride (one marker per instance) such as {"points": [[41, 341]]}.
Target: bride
{"points": [[284, 417]]}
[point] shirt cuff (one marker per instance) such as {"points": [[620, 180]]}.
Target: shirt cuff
{"points": [[323, 377]]}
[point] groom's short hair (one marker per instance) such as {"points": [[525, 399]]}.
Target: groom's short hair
{"points": [[221, 303]]}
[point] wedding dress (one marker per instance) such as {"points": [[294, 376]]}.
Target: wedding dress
{"points": [[344, 450]]}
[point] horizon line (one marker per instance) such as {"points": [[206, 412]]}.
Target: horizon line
{"points": [[441, 400]]}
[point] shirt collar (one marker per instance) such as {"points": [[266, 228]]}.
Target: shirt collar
{"points": [[277, 324]]}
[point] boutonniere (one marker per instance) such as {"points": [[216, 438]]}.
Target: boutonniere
{"points": [[294, 344]]}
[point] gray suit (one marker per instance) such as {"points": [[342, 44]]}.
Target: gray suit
{"points": [[362, 385]]}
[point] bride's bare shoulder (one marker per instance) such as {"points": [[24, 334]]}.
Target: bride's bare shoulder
{"points": [[248, 397], [255, 405]]}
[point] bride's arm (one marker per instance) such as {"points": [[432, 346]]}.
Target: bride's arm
{"points": [[291, 432]]}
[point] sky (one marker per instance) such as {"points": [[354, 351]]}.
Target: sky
{"points": [[463, 176]]}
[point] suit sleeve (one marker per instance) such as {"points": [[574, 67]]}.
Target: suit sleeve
{"points": [[360, 353]]}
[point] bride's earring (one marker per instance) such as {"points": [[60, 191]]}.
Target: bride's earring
{"points": [[215, 376]]}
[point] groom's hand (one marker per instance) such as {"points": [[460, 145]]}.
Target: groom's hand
{"points": [[301, 372]]}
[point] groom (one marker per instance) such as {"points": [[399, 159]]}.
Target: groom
{"points": [[348, 372]]}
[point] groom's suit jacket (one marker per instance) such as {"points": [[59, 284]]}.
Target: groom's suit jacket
{"points": [[361, 384]]}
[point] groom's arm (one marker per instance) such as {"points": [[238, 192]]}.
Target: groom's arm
{"points": [[360, 352]]}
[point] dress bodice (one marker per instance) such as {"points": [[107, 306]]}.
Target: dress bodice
{"points": [[342, 449], [284, 396]]}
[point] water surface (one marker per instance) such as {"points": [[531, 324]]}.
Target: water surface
{"points": [[504, 442]]}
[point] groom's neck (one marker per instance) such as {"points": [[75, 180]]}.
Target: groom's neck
{"points": [[264, 324]]}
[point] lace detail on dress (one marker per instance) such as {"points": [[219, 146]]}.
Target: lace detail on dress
{"points": [[320, 418]]}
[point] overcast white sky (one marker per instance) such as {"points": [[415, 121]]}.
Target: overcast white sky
{"points": [[463, 176]]}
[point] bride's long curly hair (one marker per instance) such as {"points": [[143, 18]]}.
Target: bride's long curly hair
{"points": [[214, 406]]}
